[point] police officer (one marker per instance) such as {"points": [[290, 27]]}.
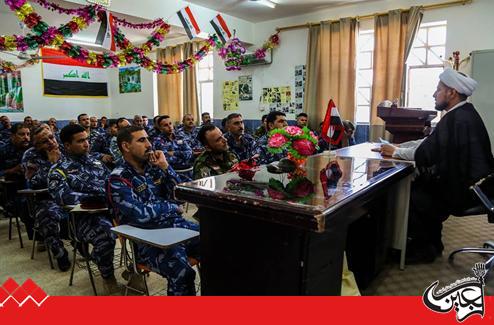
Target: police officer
{"points": [[114, 150], [97, 142], [274, 120], [37, 162], [77, 178], [141, 193], [238, 141], [11, 169], [5, 132], [189, 132], [216, 159], [176, 150]]}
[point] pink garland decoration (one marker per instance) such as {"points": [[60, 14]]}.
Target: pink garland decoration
{"points": [[120, 21]]}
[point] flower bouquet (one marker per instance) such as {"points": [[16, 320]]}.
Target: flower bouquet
{"points": [[299, 142]]}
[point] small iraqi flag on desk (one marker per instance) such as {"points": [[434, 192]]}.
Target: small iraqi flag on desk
{"points": [[189, 22], [64, 76], [221, 28], [332, 127]]}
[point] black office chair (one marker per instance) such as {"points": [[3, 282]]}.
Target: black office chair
{"points": [[486, 207]]}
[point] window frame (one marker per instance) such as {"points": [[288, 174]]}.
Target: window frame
{"points": [[210, 69]]}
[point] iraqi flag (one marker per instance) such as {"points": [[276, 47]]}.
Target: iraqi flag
{"points": [[332, 127], [221, 28], [105, 32], [64, 76], [189, 22]]}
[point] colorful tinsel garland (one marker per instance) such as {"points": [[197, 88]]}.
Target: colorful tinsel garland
{"points": [[121, 21], [44, 35]]}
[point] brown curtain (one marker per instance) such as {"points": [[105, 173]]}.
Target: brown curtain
{"points": [[394, 33], [170, 87], [331, 69], [191, 100]]}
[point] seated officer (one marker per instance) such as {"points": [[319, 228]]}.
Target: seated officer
{"points": [[176, 150], [81, 177], [217, 159], [37, 162], [274, 120], [189, 132], [140, 190], [10, 167], [238, 141], [97, 141]]}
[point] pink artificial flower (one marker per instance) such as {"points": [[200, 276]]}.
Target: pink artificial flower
{"points": [[313, 135], [277, 140], [274, 194], [304, 147], [293, 130]]}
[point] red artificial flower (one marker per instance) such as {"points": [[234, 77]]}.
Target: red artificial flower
{"points": [[303, 147]]}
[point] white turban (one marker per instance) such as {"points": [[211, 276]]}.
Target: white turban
{"points": [[460, 82]]}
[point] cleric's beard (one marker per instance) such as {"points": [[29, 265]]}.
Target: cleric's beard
{"points": [[441, 106]]}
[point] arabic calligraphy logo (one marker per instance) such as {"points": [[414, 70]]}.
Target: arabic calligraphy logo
{"points": [[466, 296], [29, 290]]}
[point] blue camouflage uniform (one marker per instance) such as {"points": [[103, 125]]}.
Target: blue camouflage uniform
{"points": [[266, 157], [5, 136], [79, 178], [48, 213], [190, 138], [182, 153], [97, 144], [153, 133], [145, 201], [115, 151], [245, 149], [10, 157]]}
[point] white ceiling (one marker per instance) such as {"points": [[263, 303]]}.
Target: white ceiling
{"points": [[255, 12]]}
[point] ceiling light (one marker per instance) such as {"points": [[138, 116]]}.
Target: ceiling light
{"points": [[266, 3]]}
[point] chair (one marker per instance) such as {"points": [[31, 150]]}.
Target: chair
{"points": [[4, 183], [78, 244], [486, 207], [161, 238], [31, 198]]}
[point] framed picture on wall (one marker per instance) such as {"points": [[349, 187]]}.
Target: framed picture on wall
{"points": [[11, 93], [129, 80]]}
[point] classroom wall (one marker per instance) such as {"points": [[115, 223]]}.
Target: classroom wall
{"points": [[469, 28]]}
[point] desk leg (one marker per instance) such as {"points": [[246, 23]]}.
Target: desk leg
{"points": [[400, 205]]}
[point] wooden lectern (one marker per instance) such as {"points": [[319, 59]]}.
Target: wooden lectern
{"points": [[405, 124]]}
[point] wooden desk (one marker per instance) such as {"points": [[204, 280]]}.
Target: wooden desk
{"points": [[254, 245]]}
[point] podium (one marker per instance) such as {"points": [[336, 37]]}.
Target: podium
{"points": [[405, 123]]}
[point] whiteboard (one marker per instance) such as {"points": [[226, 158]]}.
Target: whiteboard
{"points": [[483, 97]]}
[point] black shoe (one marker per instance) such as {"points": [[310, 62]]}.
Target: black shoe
{"points": [[63, 262]]}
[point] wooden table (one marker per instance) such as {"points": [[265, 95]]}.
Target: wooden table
{"points": [[252, 244]]}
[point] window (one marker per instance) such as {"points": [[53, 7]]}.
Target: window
{"points": [[205, 84], [365, 64], [424, 65]]}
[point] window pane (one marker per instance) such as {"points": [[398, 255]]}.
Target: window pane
{"points": [[364, 78], [207, 97], [365, 60], [362, 115], [435, 55], [211, 74], [420, 38], [417, 57], [366, 42], [437, 35], [363, 96], [203, 74], [422, 85], [204, 63]]}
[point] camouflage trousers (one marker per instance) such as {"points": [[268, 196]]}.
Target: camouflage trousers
{"points": [[51, 221], [95, 230], [172, 263]]}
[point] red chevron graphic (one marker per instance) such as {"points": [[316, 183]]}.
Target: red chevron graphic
{"points": [[29, 290]]}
